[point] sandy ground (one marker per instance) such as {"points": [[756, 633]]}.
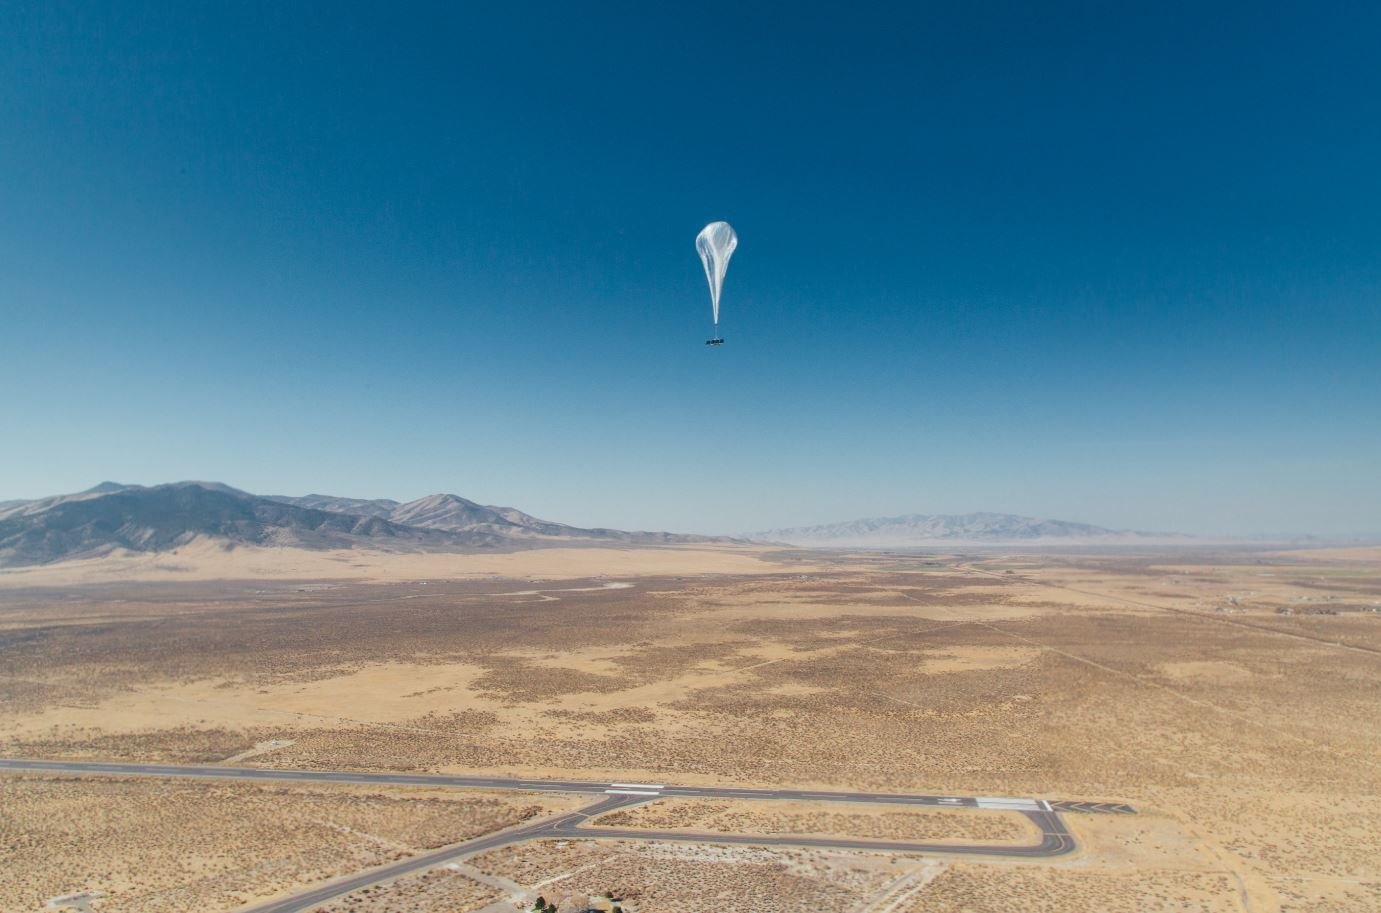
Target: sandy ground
{"points": [[168, 846], [206, 560], [1365, 554], [673, 878], [861, 820], [1234, 698]]}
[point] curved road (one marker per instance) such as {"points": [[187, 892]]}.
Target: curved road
{"points": [[1055, 839]]}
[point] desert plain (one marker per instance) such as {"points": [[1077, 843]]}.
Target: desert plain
{"points": [[1230, 696]]}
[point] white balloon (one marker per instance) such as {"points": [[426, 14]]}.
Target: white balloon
{"points": [[716, 243]]}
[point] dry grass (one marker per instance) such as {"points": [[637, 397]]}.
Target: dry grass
{"points": [[965, 888], [869, 822], [435, 891], [166, 845], [1168, 680], [670, 878]]}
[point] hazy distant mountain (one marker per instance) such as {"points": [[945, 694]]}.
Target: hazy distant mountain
{"points": [[166, 516], [446, 512], [380, 507], [111, 516], [35, 505], [104, 488], [456, 514], [955, 529]]}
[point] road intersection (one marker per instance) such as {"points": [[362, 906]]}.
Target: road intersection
{"points": [[1055, 838]]}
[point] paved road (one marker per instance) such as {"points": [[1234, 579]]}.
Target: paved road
{"points": [[1055, 841], [1055, 837], [549, 828], [647, 790]]}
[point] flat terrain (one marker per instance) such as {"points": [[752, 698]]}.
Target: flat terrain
{"points": [[1232, 697], [167, 845], [876, 822]]}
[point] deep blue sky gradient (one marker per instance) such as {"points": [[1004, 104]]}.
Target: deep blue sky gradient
{"points": [[1104, 262]]}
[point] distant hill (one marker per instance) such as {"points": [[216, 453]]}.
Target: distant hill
{"points": [[380, 507], [956, 529], [166, 516], [112, 517], [456, 514]]}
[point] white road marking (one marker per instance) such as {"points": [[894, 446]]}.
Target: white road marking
{"points": [[1006, 804], [632, 792], [639, 785]]}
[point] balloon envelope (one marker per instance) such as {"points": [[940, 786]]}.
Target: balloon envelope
{"points": [[716, 243]]}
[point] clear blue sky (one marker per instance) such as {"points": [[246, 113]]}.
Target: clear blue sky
{"points": [[1094, 261]]}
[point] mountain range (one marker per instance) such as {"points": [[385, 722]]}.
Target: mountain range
{"points": [[958, 529], [111, 517]]}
